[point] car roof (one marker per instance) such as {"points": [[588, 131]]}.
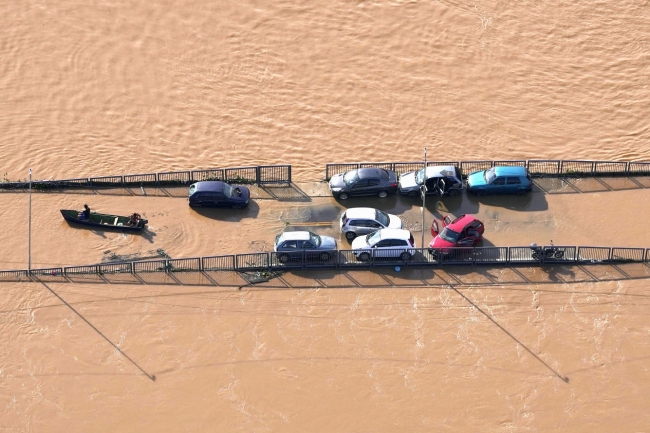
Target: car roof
{"points": [[441, 171], [509, 171], [368, 173], [210, 185], [394, 234], [361, 212], [460, 222], [299, 235]]}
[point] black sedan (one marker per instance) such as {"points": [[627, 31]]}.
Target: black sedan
{"points": [[214, 193], [364, 181]]}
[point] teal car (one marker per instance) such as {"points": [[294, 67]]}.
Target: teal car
{"points": [[500, 180]]}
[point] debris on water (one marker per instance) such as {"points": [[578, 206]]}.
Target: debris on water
{"points": [[162, 253], [397, 269], [261, 276], [110, 256]]}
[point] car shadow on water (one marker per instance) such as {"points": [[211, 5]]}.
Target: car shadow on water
{"points": [[228, 214], [531, 202]]}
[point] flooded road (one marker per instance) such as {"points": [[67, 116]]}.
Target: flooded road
{"points": [[122, 87]]}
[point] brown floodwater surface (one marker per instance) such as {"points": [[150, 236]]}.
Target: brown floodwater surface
{"points": [[119, 86]]}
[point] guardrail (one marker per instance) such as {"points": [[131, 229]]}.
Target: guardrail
{"points": [[260, 175], [536, 168], [272, 261]]}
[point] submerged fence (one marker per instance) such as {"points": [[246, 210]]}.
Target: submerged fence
{"points": [[350, 259], [537, 168], [260, 174]]}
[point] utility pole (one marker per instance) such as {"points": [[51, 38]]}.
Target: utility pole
{"points": [[423, 193], [29, 228]]}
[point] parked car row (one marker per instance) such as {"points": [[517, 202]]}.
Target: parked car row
{"points": [[438, 180], [375, 233], [382, 243]]}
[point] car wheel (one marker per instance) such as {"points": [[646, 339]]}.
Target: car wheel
{"points": [[350, 235], [364, 257], [344, 196], [558, 254], [521, 192], [324, 256], [412, 194], [481, 192], [454, 192], [236, 206], [284, 258], [434, 254], [383, 194], [405, 256]]}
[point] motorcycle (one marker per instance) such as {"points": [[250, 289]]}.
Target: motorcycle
{"points": [[550, 252]]}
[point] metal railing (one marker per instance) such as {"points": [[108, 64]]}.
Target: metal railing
{"points": [[536, 168], [260, 175], [281, 174], [417, 257]]}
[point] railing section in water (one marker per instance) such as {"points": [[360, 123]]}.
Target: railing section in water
{"points": [[346, 259]]}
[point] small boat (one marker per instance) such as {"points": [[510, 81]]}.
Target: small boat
{"points": [[132, 223]]}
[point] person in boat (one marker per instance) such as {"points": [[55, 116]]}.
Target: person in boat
{"points": [[85, 214], [133, 219]]}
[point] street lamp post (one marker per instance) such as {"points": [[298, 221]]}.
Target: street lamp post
{"points": [[29, 227], [423, 193]]}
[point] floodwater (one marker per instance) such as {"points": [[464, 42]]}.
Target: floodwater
{"points": [[119, 87]]}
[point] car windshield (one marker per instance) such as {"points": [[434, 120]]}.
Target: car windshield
{"points": [[227, 190], [382, 218], [489, 175], [419, 176], [315, 239], [351, 177], [449, 235], [373, 238]]}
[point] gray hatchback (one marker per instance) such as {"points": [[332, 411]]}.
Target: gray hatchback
{"points": [[303, 244]]}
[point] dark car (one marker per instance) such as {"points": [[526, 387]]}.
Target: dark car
{"points": [[215, 193], [500, 180], [364, 181]]}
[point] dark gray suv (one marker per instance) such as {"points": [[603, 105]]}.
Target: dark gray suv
{"points": [[359, 221]]}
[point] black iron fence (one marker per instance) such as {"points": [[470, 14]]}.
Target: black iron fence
{"points": [[260, 175], [342, 259], [281, 174], [537, 168]]}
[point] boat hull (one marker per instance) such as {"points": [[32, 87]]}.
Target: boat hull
{"points": [[103, 221]]}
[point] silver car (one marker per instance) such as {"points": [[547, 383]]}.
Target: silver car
{"points": [[299, 244], [364, 220], [385, 244], [440, 180]]}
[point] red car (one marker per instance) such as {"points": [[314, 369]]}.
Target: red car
{"points": [[464, 231]]}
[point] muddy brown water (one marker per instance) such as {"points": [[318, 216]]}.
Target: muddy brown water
{"points": [[118, 87]]}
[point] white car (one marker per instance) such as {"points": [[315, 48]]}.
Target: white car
{"points": [[359, 221], [383, 244], [439, 179]]}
